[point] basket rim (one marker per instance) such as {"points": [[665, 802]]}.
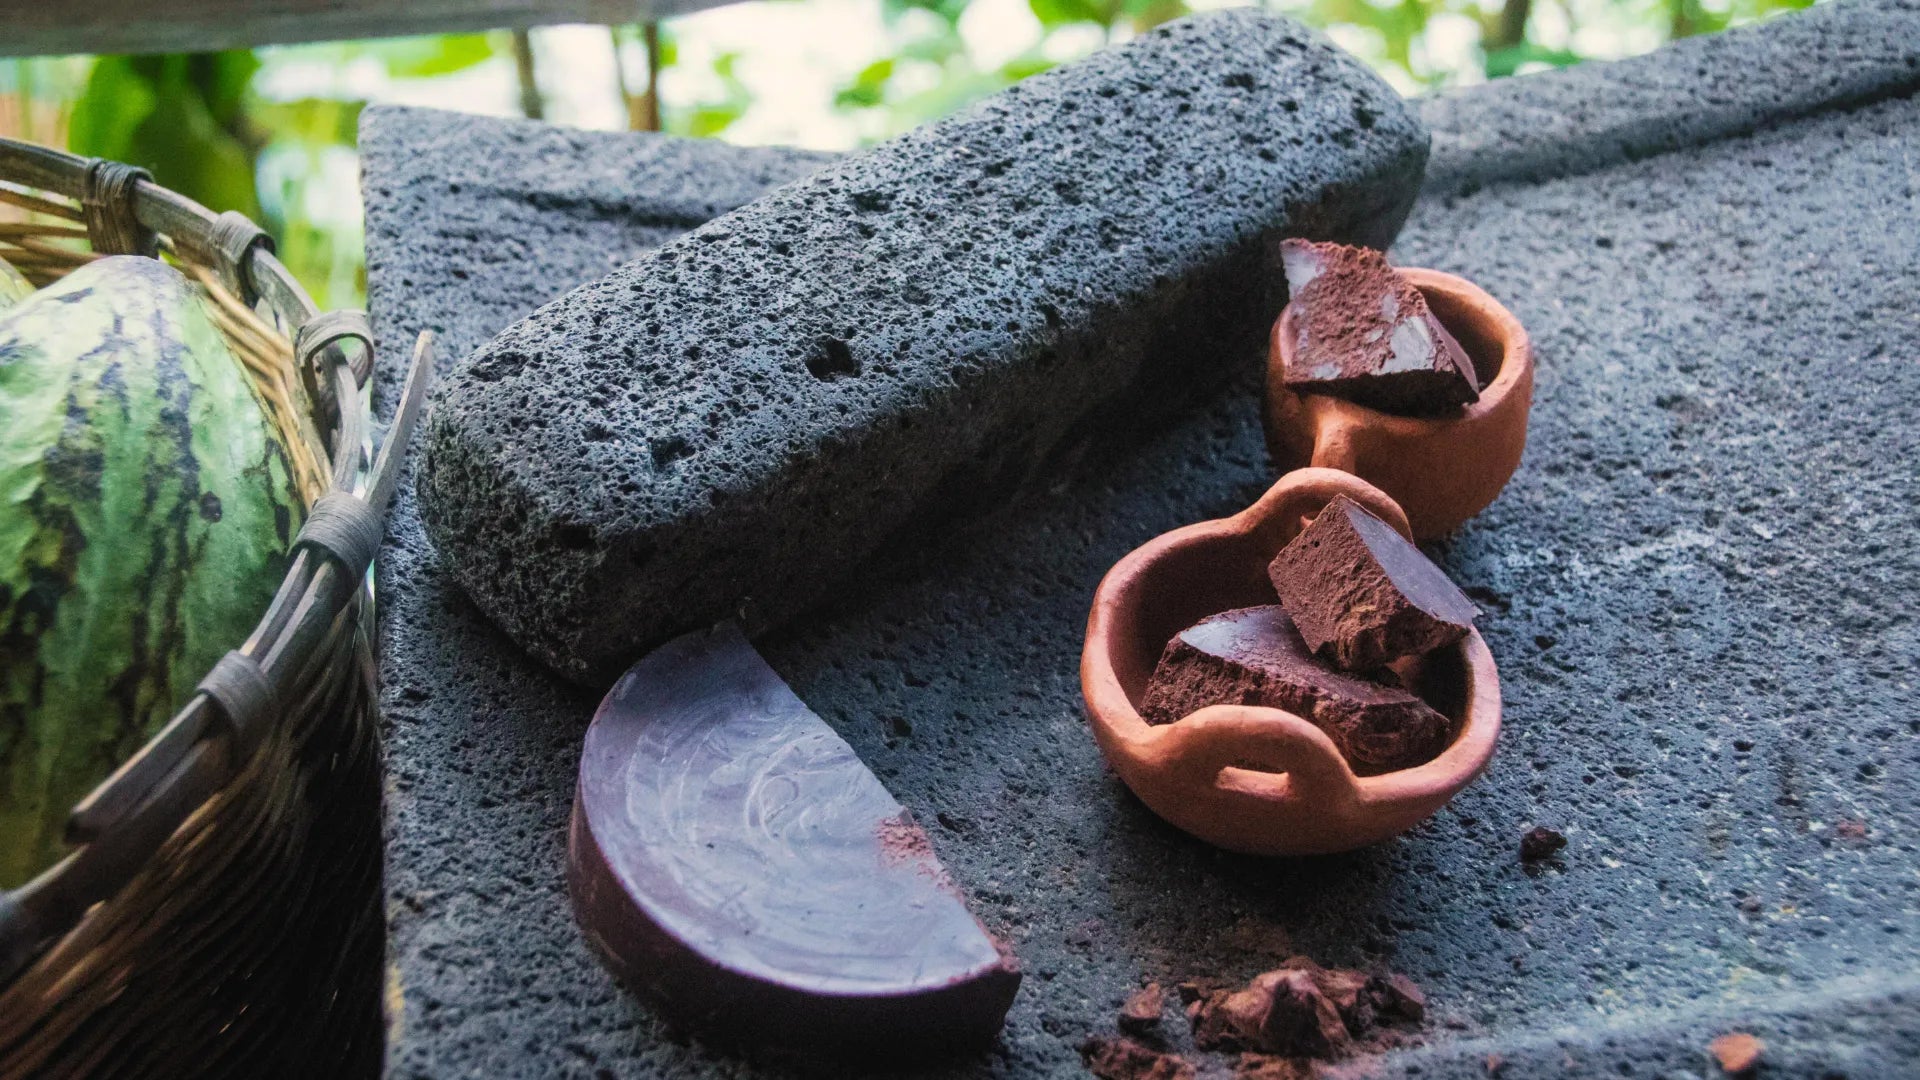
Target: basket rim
{"points": [[124, 823]]}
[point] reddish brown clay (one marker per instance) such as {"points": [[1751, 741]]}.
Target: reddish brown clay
{"points": [[1441, 470], [1252, 779]]}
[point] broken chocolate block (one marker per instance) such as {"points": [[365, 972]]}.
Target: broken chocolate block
{"points": [[1362, 595], [1364, 333], [1253, 656], [731, 858]]}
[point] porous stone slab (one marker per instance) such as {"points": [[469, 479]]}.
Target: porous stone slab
{"points": [[730, 425], [1696, 587]]}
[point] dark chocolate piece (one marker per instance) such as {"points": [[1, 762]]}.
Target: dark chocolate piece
{"points": [[1362, 595], [1364, 333], [1253, 656], [1140, 1015], [744, 417], [1540, 842], [1285, 1012], [733, 860], [1124, 1059]]}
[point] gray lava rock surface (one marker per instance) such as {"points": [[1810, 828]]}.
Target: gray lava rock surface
{"points": [[735, 422], [1697, 587]]}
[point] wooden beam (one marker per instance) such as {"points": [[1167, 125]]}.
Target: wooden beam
{"points": [[39, 28]]}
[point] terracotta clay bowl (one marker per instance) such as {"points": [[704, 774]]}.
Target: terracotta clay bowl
{"points": [[1441, 470], [1256, 780]]}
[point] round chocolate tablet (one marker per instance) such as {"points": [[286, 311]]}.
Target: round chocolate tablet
{"points": [[733, 860]]}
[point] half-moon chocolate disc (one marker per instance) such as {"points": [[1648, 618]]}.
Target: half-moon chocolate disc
{"points": [[733, 860]]}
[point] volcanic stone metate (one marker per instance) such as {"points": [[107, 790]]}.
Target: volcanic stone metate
{"points": [[730, 424]]}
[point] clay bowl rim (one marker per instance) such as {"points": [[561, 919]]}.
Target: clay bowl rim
{"points": [[1123, 732], [1516, 359]]}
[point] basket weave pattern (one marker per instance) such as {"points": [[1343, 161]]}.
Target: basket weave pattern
{"points": [[221, 912]]}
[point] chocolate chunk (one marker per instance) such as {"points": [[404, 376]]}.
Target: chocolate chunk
{"points": [[1284, 1012], [743, 418], [1268, 1067], [731, 859], [1362, 595], [1540, 842], [1363, 333], [1212, 1025], [1141, 1013], [1395, 997], [1125, 1059], [1253, 656]]}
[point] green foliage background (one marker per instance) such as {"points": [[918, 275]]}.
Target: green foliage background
{"points": [[202, 125]]}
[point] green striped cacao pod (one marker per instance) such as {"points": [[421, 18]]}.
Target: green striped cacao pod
{"points": [[146, 508]]}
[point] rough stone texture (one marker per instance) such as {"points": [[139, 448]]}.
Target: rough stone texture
{"points": [[1595, 116], [733, 424], [1697, 588]]}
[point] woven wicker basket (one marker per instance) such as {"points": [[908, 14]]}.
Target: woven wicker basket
{"points": [[220, 912]]}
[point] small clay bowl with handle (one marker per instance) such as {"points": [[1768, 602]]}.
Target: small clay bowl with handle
{"points": [[1257, 780], [1441, 470]]}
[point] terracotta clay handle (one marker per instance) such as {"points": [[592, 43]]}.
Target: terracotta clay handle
{"points": [[1304, 492], [1219, 736]]}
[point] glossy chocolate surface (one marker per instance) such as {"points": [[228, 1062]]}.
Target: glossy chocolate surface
{"points": [[732, 859], [1365, 334], [1254, 656]]}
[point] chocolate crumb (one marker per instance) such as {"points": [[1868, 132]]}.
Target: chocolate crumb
{"points": [[1540, 842], [1269, 1067], [1141, 1013], [1124, 1059], [1395, 997], [1284, 1012], [1737, 1052]]}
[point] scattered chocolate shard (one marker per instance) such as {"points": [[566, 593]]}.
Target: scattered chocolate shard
{"points": [[1141, 1013], [732, 859], [1395, 997], [1364, 333], [1212, 1026], [1351, 993], [1125, 1059], [1254, 656], [1362, 595], [1539, 843], [1284, 1012], [1737, 1052], [1250, 1066]]}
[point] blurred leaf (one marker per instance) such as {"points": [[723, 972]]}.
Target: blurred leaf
{"points": [[867, 88], [116, 101], [1052, 13], [1504, 62], [426, 57], [153, 112]]}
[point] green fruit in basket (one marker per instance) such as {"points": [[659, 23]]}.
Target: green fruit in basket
{"points": [[146, 507], [14, 287]]}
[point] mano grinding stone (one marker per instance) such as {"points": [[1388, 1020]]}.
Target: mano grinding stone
{"points": [[731, 423], [732, 859], [1362, 595], [1253, 656], [1365, 333]]}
